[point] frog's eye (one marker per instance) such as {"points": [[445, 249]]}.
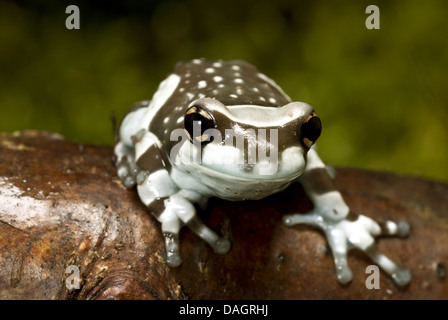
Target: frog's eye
{"points": [[196, 121], [310, 130]]}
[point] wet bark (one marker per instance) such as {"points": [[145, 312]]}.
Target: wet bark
{"points": [[63, 210]]}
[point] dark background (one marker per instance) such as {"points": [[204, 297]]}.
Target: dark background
{"points": [[381, 94]]}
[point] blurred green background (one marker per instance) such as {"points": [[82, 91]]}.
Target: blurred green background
{"points": [[382, 94]]}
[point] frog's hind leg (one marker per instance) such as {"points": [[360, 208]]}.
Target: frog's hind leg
{"points": [[125, 164], [125, 149]]}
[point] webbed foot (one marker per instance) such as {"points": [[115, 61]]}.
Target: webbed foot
{"points": [[359, 232]]}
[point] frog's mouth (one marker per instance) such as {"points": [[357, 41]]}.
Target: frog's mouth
{"points": [[289, 164], [224, 163], [229, 186]]}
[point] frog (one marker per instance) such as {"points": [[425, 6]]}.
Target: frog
{"points": [[221, 128]]}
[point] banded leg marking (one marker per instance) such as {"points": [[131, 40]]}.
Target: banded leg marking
{"points": [[174, 208]]}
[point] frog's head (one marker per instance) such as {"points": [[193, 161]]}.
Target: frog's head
{"points": [[248, 142]]}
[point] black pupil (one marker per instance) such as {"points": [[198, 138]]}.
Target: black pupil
{"points": [[312, 129], [196, 124]]}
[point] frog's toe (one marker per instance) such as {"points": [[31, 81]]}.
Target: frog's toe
{"points": [[125, 175], [128, 182], [401, 277], [344, 275], [173, 259], [222, 246], [403, 229], [299, 218], [172, 247], [390, 228], [288, 220]]}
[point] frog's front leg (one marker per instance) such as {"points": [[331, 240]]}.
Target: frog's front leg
{"points": [[172, 206], [173, 210], [344, 229]]}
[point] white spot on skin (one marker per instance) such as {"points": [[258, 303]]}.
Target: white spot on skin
{"points": [[233, 96], [209, 70], [217, 64], [236, 68], [202, 84], [272, 100], [180, 120], [165, 121], [217, 79], [262, 99], [255, 89], [181, 89], [239, 91], [238, 80], [197, 61], [201, 95], [190, 95], [221, 85]]}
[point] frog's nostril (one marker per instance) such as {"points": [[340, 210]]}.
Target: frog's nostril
{"points": [[310, 130]]}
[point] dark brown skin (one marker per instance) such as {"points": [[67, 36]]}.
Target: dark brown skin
{"points": [[62, 204]]}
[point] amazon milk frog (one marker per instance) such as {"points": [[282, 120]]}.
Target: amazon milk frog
{"points": [[219, 128]]}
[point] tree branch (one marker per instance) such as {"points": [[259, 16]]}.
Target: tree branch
{"points": [[61, 204]]}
